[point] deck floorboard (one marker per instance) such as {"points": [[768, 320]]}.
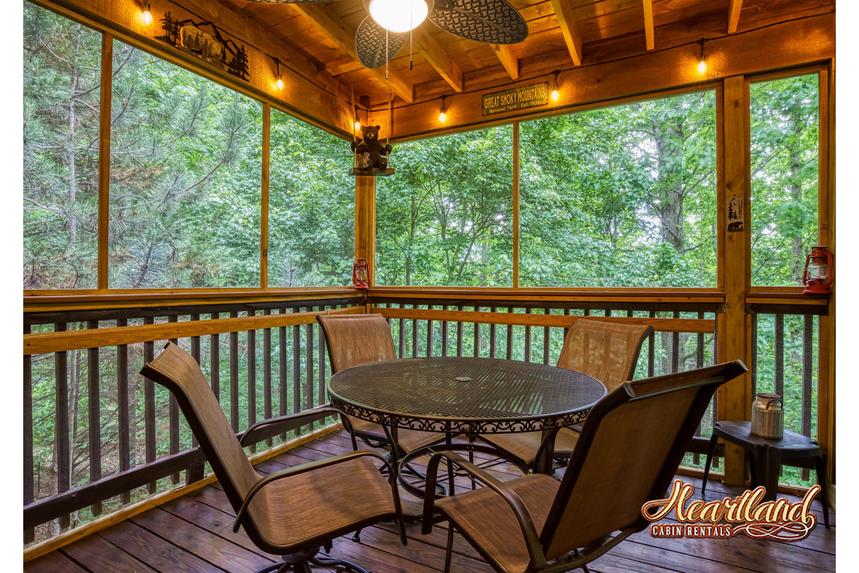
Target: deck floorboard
{"points": [[194, 534]]}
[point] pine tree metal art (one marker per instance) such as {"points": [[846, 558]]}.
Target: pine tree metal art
{"points": [[206, 41]]}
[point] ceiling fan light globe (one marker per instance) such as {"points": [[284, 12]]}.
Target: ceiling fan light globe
{"points": [[398, 15]]}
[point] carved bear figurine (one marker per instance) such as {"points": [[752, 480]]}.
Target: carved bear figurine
{"points": [[371, 153]]}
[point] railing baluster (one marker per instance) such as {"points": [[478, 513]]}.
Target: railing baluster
{"points": [[308, 383], [753, 367], [234, 377], [675, 348], [476, 335], [459, 336], [173, 414], [492, 331], [429, 335], [547, 339], [323, 377], [29, 474], [444, 334], [779, 355], [528, 338], [651, 348], [282, 370], [94, 415], [215, 360], [266, 374], [699, 362], [252, 376], [62, 438], [566, 329], [807, 358], [195, 472], [149, 408], [402, 333], [296, 366], [414, 335], [123, 405], [509, 341]]}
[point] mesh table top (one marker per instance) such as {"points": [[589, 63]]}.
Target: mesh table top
{"points": [[470, 395]]}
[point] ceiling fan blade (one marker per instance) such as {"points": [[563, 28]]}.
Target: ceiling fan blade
{"points": [[370, 43], [492, 21]]}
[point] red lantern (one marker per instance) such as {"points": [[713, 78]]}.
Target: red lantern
{"points": [[360, 274], [817, 277]]}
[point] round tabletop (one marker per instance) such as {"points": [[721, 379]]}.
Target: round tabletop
{"points": [[465, 395]]}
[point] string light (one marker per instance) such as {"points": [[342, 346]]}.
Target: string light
{"points": [[442, 116], [146, 15], [278, 83], [702, 63], [555, 95]]}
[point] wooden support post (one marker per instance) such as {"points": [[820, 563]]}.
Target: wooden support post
{"points": [[104, 159], [735, 403], [264, 195], [365, 223], [515, 204]]}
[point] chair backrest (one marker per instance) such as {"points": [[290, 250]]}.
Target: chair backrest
{"points": [[179, 372], [355, 339], [629, 449], [605, 350]]}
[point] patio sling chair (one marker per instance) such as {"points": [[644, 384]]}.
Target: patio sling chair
{"points": [[607, 351], [293, 512], [357, 339], [628, 452]]}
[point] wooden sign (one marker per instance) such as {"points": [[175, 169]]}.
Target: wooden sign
{"points": [[515, 99]]}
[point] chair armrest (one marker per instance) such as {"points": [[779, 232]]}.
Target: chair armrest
{"points": [[289, 472], [526, 524], [312, 413]]}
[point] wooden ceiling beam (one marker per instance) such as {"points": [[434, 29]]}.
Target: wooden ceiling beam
{"points": [[343, 66], [439, 59], [564, 13], [345, 39], [734, 10], [648, 24], [508, 59]]}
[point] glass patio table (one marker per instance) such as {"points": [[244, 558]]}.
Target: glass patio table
{"points": [[464, 396]]}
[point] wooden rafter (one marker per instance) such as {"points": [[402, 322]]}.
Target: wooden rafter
{"points": [[648, 24], [344, 37], [564, 12], [439, 59], [734, 10], [508, 59]]}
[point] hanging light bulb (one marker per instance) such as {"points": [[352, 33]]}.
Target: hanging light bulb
{"points": [[702, 63], [146, 15], [398, 15], [278, 83], [555, 95], [442, 116], [357, 125]]}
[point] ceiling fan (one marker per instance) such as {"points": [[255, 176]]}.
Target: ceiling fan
{"points": [[390, 22]]}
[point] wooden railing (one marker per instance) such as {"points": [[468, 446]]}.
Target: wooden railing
{"points": [[532, 330], [96, 432], [97, 436]]}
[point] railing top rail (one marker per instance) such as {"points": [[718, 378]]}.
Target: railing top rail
{"points": [[43, 343]]}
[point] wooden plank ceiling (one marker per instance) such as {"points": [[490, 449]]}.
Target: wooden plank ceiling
{"points": [[562, 34]]}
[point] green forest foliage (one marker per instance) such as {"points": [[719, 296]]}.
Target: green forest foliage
{"points": [[622, 196]]}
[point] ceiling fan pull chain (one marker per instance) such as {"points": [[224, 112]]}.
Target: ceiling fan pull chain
{"points": [[387, 55]]}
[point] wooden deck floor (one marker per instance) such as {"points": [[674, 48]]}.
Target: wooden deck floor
{"points": [[194, 534]]}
